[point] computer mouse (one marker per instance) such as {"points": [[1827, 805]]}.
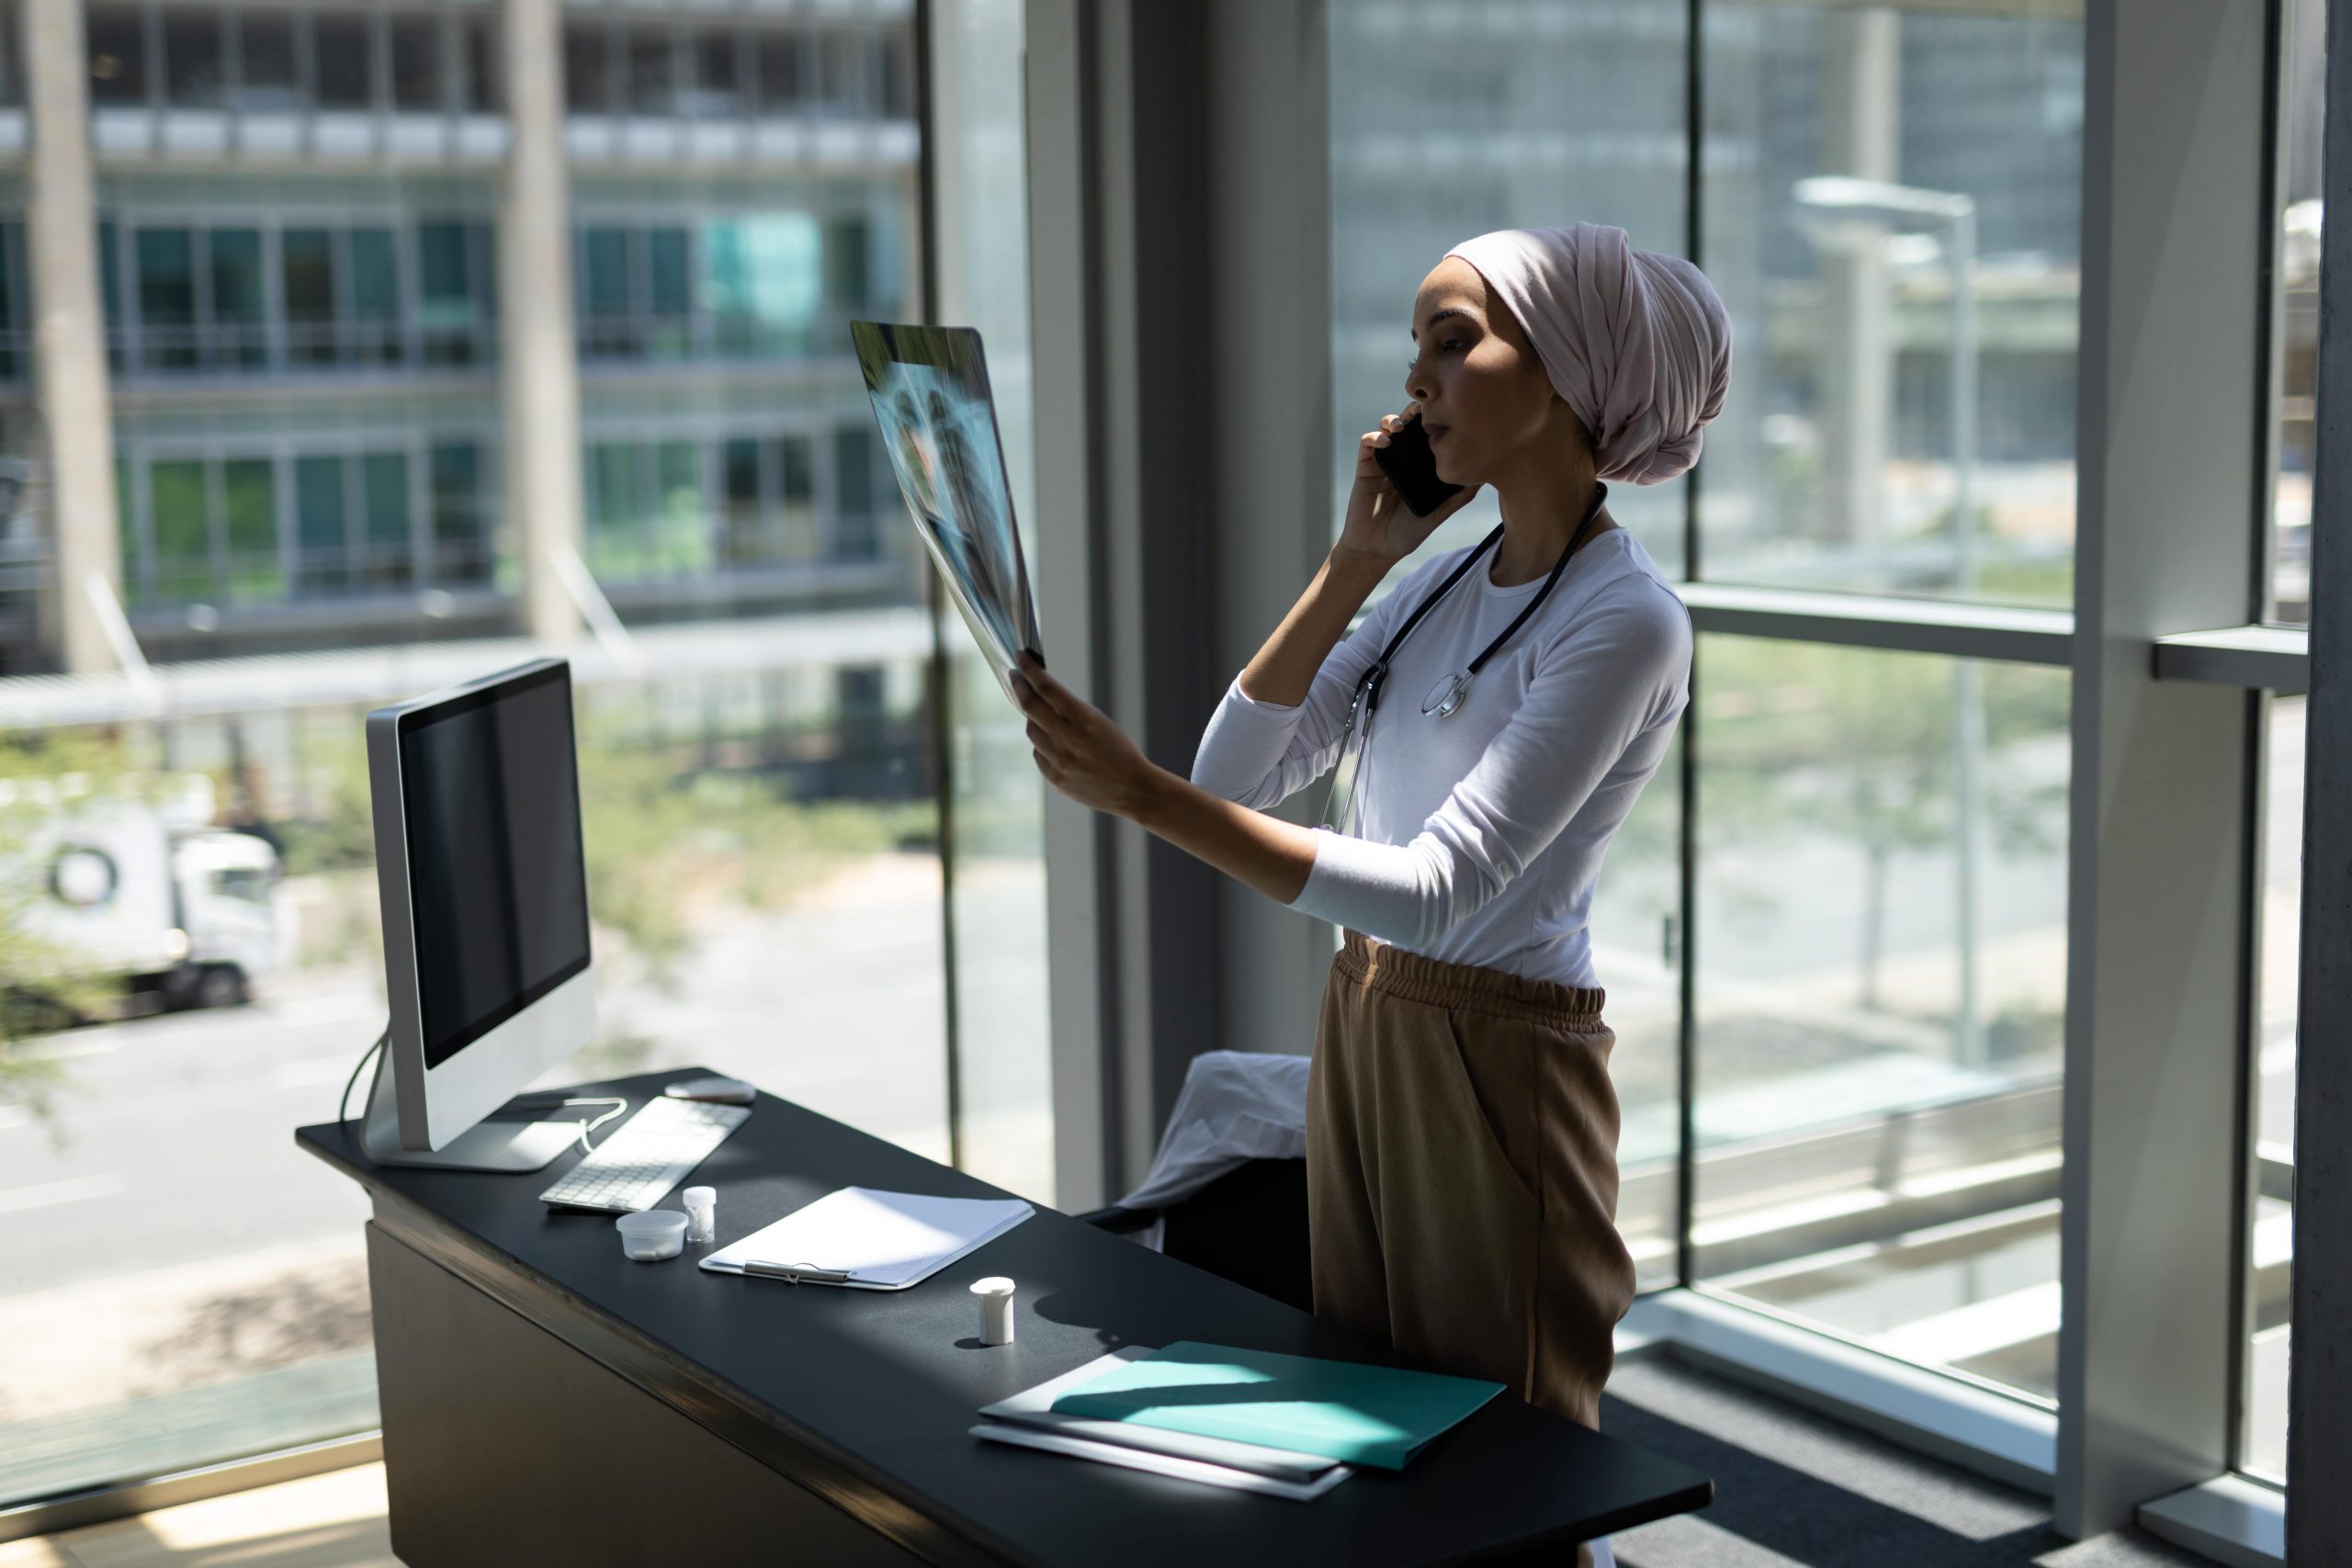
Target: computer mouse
{"points": [[727, 1091]]}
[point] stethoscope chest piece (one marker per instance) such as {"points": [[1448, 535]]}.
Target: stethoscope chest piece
{"points": [[1448, 695]]}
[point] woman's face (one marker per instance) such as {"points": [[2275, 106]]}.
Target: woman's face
{"points": [[1484, 398]]}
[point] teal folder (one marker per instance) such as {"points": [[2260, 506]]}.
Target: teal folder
{"points": [[1342, 1410]]}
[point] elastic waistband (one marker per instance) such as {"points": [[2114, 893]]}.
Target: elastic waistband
{"points": [[1415, 977]]}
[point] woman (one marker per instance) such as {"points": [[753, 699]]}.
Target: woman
{"points": [[1462, 1128]]}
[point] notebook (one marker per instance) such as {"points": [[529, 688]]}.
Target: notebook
{"points": [[1342, 1410], [1034, 1408], [870, 1240], [1163, 1464]]}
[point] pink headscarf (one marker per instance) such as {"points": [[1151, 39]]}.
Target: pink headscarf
{"points": [[1636, 343]]}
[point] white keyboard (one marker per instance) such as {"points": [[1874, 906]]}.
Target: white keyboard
{"points": [[633, 1168]]}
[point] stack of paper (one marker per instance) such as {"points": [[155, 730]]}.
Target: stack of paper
{"points": [[1255, 1420], [869, 1240], [1029, 1420], [1338, 1410]]}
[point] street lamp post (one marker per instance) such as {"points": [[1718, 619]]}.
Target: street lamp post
{"points": [[1844, 195]]}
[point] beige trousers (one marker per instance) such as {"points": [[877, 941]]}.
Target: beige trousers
{"points": [[1461, 1173]]}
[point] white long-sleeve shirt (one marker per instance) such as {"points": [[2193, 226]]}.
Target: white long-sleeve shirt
{"points": [[1481, 833]]}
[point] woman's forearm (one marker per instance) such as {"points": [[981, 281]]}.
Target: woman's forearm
{"points": [[1283, 672], [1271, 855]]}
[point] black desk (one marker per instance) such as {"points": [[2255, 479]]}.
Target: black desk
{"points": [[547, 1400]]}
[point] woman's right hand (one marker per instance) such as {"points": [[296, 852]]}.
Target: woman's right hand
{"points": [[1379, 523]]}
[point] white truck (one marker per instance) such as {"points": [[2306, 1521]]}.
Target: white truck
{"points": [[141, 893]]}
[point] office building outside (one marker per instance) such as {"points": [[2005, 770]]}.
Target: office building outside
{"points": [[328, 421]]}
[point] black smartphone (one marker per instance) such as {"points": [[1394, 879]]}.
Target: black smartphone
{"points": [[1411, 467]]}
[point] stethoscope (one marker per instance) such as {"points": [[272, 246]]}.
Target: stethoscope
{"points": [[1445, 698]]}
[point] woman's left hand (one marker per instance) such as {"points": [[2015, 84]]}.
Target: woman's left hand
{"points": [[1079, 750]]}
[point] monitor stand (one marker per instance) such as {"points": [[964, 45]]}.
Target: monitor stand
{"points": [[513, 1147]]}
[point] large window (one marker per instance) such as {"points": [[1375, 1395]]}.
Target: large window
{"points": [[278, 58], [762, 285], [689, 506], [238, 529], [317, 512], [1891, 216], [2295, 336], [275, 293], [1874, 940], [1880, 943], [715, 68]]}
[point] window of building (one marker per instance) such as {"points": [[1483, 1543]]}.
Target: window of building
{"points": [[1901, 243], [344, 49], [717, 93], [781, 61], [387, 554], [116, 40], [651, 50], [419, 76], [587, 67], [237, 336], [844, 58], [254, 571], [856, 533], [193, 77], [374, 326], [180, 521], [321, 540], [268, 63], [307, 269], [2295, 302], [481, 91], [462, 541], [166, 297]]}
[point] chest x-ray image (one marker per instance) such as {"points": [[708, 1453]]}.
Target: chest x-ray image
{"points": [[930, 389]]}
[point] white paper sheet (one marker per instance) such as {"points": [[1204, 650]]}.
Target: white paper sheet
{"points": [[1161, 1464], [1035, 1408], [885, 1241]]}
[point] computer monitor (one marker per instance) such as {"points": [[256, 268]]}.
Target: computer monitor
{"points": [[485, 901]]}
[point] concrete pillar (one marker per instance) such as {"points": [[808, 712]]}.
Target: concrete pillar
{"points": [[538, 369], [69, 335], [1861, 136]]}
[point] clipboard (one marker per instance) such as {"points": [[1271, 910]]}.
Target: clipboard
{"points": [[863, 1239]]}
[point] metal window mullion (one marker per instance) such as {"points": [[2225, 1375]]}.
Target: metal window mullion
{"points": [[2155, 905], [199, 267], [216, 520], [281, 468], [419, 479], [2319, 1507]]}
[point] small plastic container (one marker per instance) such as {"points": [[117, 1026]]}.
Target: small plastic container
{"points": [[652, 1235], [701, 1213], [995, 1294]]}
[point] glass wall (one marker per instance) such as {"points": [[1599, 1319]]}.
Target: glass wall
{"points": [[1453, 120], [1881, 952], [1889, 206], [772, 284], [997, 860], [226, 527], [1892, 217], [2295, 337], [277, 293], [312, 506], [2279, 883]]}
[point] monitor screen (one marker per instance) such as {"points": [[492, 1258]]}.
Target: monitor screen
{"points": [[490, 792]]}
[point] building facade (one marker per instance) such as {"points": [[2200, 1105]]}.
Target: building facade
{"points": [[321, 416]]}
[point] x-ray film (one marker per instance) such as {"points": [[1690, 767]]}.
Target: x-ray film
{"points": [[930, 388]]}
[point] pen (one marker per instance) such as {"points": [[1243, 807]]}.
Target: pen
{"points": [[796, 1273]]}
